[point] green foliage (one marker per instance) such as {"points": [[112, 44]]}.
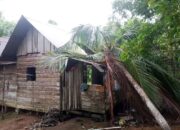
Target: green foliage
{"points": [[6, 27], [147, 81], [149, 75], [153, 31], [90, 35], [89, 74], [156, 82], [96, 39], [133, 7]]}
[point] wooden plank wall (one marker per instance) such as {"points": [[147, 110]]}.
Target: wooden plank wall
{"points": [[70, 90], [45, 92], [10, 85], [39, 95], [48, 91], [93, 100], [35, 42]]}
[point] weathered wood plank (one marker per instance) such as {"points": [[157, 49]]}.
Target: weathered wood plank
{"points": [[35, 42], [29, 42], [40, 43]]}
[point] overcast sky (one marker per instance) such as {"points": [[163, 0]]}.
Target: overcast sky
{"points": [[67, 13]]}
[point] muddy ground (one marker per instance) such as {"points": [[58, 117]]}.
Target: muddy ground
{"points": [[24, 121]]}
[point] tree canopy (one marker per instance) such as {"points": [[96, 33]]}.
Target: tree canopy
{"points": [[6, 27], [149, 44], [152, 31]]}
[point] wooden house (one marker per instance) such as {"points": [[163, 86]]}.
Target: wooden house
{"points": [[24, 84]]}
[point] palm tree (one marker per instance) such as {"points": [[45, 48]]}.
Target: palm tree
{"points": [[102, 48]]}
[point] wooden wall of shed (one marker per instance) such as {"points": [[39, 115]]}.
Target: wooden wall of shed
{"points": [[39, 95], [93, 100], [45, 92], [48, 91], [8, 80], [70, 89], [35, 42]]}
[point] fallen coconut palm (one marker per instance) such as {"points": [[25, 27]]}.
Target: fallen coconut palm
{"points": [[102, 45]]}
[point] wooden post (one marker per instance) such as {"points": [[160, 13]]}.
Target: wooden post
{"points": [[3, 88]]}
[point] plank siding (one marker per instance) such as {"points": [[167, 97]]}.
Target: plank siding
{"points": [[39, 95], [72, 81], [93, 100], [27, 43], [10, 85], [35, 42], [50, 89], [40, 40]]}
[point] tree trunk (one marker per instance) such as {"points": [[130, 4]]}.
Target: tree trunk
{"points": [[154, 111], [109, 85]]}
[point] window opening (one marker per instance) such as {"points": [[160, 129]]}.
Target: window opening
{"points": [[89, 74], [31, 74]]}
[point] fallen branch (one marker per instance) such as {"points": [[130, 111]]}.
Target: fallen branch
{"points": [[108, 128]]}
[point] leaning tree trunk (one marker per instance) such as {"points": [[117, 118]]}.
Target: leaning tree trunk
{"points": [[109, 84], [110, 61]]}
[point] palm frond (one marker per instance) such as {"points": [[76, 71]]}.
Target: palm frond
{"points": [[156, 82], [70, 47], [146, 80], [58, 60], [170, 83], [54, 61], [93, 37]]}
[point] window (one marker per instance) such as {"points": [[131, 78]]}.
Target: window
{"points": [[31, 74], [91, 75], [97, 77]]}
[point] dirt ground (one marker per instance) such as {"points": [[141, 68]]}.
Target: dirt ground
{"points": [[13, 121], [25, 121]]}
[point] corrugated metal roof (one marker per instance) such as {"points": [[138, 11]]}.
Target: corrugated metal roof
{"points": [[3, 43]]}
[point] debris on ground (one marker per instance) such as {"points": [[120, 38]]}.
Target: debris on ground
{"points": [[126, 120], [50, 119], [108, 128], [25, 121]]}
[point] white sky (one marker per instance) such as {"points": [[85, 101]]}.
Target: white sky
{"points": [[67, 13]]}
